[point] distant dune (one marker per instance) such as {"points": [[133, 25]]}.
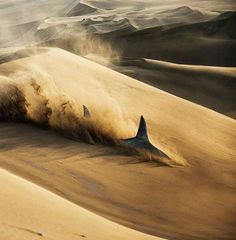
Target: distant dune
{"points": [[81, 9], [178, 41], [19, 19], [164, 5], [212, 87], [186, 44], [140, 14], [137, 18], [101, 178]]}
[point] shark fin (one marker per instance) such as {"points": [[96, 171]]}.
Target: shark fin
{"points": [[141, 140], [142, 130], [86, 112]]}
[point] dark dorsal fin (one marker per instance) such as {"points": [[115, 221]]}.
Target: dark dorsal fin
{"points": [[141, 141], [86, 112], [142, 130]]}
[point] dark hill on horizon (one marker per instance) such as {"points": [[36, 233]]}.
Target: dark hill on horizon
{"points": [[187, 44]]}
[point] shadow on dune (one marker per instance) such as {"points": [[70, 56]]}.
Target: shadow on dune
{"points": [[24, 136], [210, 43], [211, 87]]}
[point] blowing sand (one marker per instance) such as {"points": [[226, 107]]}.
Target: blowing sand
{"points": [[192, 202]]}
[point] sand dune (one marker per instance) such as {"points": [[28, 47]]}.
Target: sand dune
{"points": [[102, 179], [20, 19], [169, 4], [41, 214], [216, 37], [17, 18], [159, 28], [212, 87], [81, 9], [174, 64], [147, 17], [17, 12]]}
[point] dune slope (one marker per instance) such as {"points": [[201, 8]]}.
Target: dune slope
{"points": [[31, 212], [146, 197], [212, 87]]}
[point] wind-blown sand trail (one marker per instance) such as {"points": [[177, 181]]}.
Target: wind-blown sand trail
{"points": [[196, 201], [31, 212]]}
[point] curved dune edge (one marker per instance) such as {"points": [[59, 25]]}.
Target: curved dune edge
{"points": [[199, 84], [31, 212]]}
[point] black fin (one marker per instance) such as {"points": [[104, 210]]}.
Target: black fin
{"points": [[141, 141], [142, 130], [86, 112]]}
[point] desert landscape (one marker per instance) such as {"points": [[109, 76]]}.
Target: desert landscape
{"points": [[76, 159]]}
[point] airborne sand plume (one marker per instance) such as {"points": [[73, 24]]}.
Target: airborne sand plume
{"points": [[32, 96]]}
